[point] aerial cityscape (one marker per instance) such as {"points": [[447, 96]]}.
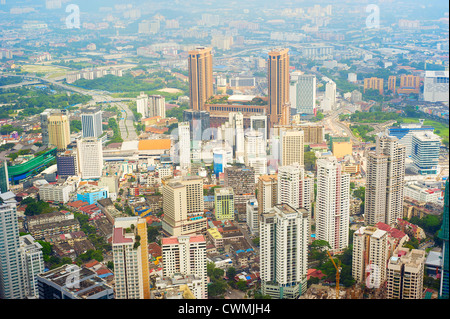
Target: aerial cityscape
{"points": [[224, 150]]}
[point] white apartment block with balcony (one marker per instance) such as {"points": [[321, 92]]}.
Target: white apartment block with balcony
{"points": [[184, 145], [283, 252], [385, 181], [292, 147], [405, 272], [157, 106], [183, 206], [255, 152], [186, 255], [130, 257], [436, 86], [370, 256], [32, 264], [332, 204], [11, 284]]}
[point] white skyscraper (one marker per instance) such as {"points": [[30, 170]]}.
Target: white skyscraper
{"points": [[183, 206], [385, 182], [436, 86], [255, 152], [90, 156], [32, 264], [332, 204], [370, 256], [295, 187], [425, 147], [329, 100], [405, 271], [184, 143], [237, 127], [293, 88], [252, 215], [330, 92], [259, 123], [11, 284], [130, 256], [289, 185], [292, 147], [306, 94], [142, 105], [186, 255], [157, 106], [284, 252], [91, 123]]}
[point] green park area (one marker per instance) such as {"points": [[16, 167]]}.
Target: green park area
{"points": [[360, 121], [128, 86]]}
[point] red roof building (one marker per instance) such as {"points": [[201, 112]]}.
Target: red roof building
{"points": [[91, 264], [315, 273], [154, 250]]}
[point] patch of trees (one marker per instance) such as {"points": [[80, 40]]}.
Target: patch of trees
{"points": [[362, 130], [8, 80], [36, 207], [117, 137], [8, 129], [6, 146], [91, 254], [318, 252], [128, 83], [75, 126], [218, 285], [309, 159], [152, 233], [51, 260], [372, 117], [431, 224]]}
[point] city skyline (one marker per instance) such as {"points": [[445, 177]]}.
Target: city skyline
{"points": [[224, 151]]}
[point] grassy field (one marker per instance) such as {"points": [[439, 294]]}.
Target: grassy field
{"points": [[49, 70]]}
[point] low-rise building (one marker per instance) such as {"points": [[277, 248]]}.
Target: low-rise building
{"points": [[193, 282], [91, 194], [422, 193], [53, 217], [73, 282], [55, 193]]}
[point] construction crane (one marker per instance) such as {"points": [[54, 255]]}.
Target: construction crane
{"points": [[338, 272]]}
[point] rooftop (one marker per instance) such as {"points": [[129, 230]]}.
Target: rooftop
{"points": [[119, 238], [174, 240], [88, 283], [155, 144], [426, 136], [268, 178]]}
